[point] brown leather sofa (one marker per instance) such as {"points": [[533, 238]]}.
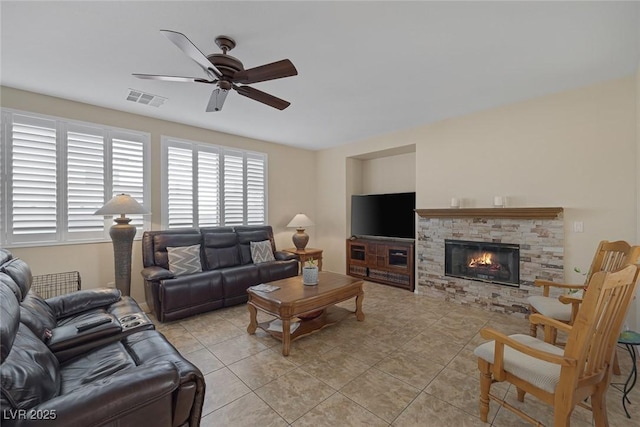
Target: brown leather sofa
{"points": [[227, 269], [118, 373]]}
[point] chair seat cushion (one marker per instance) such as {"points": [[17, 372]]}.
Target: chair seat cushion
{"points": [[551, 307], [542, 374]]}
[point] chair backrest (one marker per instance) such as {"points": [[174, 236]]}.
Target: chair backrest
{"points": [[597, 327], [610, 256]]}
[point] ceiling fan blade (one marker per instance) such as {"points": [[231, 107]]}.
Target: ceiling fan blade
{"points": [[275, 70], [261, 96], [173, 78], [185, 45], [217, 100]]}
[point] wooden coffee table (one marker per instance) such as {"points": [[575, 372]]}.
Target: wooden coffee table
{"points": [[295, 300]]}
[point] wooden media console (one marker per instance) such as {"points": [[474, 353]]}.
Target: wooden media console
{"points": [[384, 261]]}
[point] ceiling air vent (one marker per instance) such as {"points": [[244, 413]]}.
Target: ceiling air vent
{"points": [[145, 98]]}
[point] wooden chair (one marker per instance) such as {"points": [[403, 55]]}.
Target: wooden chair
{"points": [[560, 377], [609, 256]]}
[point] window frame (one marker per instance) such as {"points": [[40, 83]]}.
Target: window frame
{"points": [[196, 147], [62, 127]]}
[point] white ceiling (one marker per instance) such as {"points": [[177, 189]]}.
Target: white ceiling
{"points": [[365, 68]]}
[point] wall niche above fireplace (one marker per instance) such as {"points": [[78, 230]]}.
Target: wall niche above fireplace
{"points": [[482, 261]]}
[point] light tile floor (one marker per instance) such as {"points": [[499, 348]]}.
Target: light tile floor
{"points": [[410, 363]]}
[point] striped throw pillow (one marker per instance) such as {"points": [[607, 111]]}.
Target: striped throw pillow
{"points": [[184, 260], [261, 252]]}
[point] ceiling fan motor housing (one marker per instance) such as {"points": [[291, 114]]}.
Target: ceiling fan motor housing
{"points": [[227, 64]]}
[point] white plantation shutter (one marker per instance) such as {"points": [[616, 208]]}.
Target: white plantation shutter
{"points": [[180, 187], [234, 188], [85, 181], [208, 188], [33, 191], [256, 189], [217, 185], [128, 176], [57, 173]]}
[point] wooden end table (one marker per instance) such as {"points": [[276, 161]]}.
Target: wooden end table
{"points": [[295, 300], [305, 254]]}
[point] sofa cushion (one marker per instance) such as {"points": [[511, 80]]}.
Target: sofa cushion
{"points": [[39, 308], [277, 270], [162, 241], [9, 319], [30, 373], [191, 291], [236, 280], [34, 323], [261, 252], [95, 365], [5, 256], [20, 272], [246, 236], [11, 285], [220, 250], [184, 260]]}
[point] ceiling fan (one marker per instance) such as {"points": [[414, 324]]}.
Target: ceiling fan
{"points": [[226, 72]]}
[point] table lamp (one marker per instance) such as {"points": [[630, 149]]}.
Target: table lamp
{"points": [[122, 234], [300, 238]]}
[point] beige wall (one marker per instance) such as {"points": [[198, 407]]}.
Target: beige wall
{"points": [[392, 174], [287, 195], [576, 149]]}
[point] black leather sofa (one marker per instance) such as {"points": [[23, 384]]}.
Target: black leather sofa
{"points": [[227, 269], [119, 373]]}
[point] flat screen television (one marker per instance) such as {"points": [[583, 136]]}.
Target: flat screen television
{"points": [[384, 215]]}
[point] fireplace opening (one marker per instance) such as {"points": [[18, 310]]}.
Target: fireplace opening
{"points": [[483, 261]]}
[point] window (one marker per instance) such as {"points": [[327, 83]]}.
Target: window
{"points": [[55, 173], [208, 185]]}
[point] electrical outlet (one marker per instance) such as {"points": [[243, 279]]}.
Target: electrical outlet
{"points": [[578, 227], [111, 284]]}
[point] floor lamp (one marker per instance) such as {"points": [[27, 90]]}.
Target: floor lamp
{"points": [[122, 234]]}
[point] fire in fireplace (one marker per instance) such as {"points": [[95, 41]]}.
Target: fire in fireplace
{"points": [[483, 261]]}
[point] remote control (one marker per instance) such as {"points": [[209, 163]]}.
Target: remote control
{"points": [[92, 324]]}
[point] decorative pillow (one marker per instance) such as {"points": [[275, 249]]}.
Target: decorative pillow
{"points": [[184, 260], [261, 252]]}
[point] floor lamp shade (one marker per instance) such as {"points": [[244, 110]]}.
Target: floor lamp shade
{"points": [[122, 234], [300, 222]]}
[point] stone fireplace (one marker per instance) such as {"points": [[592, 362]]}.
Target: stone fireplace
{"points": [[526, 243]]}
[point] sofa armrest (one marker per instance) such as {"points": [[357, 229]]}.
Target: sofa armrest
{"points": [[284, 256], [105, 401], [155, 273], [68, 336], [77, 302]]}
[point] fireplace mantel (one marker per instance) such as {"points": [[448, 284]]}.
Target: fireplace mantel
{"points": [[527, 213]]}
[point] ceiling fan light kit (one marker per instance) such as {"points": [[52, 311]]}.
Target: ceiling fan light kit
{"points": [[226, 72]]}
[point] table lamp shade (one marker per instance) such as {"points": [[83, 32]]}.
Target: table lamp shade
{"points": [[120, 205], [300, 222], [122, 234]]}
